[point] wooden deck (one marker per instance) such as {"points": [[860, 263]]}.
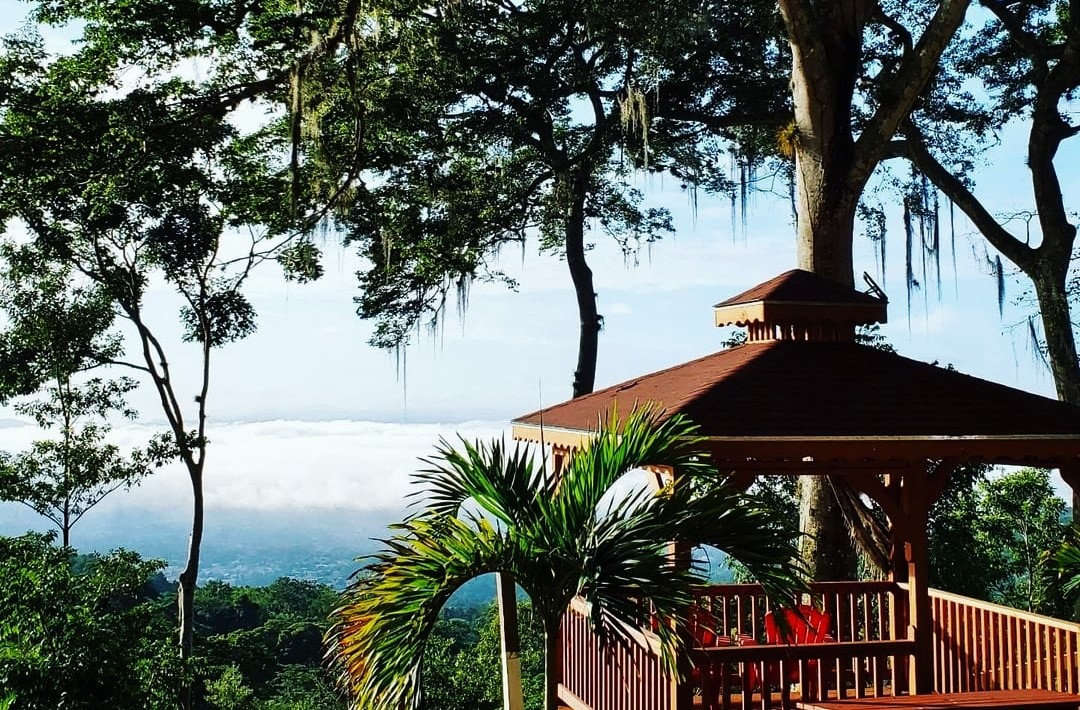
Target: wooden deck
{"points": [[998, 699], [981, 656]]}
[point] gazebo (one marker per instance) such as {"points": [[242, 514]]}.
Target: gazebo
{"points": [[801, 396]]}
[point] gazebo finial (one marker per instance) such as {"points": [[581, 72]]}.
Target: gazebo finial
{"points": [[800, 305]]}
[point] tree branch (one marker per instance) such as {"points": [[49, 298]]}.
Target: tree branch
{"points": [[1048, 130], [914, 149], [891, 23], [915, 70], [1026, 40]]}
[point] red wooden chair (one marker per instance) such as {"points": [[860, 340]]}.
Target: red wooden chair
{"points": [[805, 626], [704, 631], [702, 626]]}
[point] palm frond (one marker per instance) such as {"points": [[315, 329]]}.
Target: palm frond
{"points": [[644, 438], [379, 632], [1067, 562], [557, 543], [502, 483]]}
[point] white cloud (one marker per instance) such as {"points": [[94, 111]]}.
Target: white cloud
{"points": [[291, 465]]}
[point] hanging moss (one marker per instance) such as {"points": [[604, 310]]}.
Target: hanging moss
{"points": [[999, 272], [909, 271]]}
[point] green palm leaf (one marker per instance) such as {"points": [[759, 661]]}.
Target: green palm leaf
{"points": [[557, 542]]}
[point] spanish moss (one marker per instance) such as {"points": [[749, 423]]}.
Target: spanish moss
{"points": [[936, 227], [999, 272], [909, 270], [952, 244], [1036, 343]]}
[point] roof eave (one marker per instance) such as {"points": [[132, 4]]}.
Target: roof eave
{"points": [[792, 454]]}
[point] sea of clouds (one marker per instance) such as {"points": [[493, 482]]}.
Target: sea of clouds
{"points": [[280, 465]]}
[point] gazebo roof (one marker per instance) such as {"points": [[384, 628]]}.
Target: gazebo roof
{"points": [[798, 303], [798, 285], [806, 404]]}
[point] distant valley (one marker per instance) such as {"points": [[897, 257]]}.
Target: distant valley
{"points": [[246, 547], [239, 546]]}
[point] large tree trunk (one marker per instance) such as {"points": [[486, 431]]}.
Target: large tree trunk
{"points": [[827, 547], [189, 578], [826, 43], [832, 166], [1058, 331], [1060, 349], [826, 193]]}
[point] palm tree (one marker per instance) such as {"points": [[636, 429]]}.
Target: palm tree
{"points": [[558, 541]]}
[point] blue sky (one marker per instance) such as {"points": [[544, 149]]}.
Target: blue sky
{"points": [[307, 414]]}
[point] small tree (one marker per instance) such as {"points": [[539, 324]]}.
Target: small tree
{"points": [[63, 478], [1022, 516], [557, 541], [56, 332]]}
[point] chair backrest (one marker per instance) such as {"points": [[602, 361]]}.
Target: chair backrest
{"points": [[702, 626], [807, 625]]}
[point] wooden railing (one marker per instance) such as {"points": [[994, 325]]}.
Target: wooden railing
{"points": [[616, 677], [859, 611], [984, 646], [864, 655]]}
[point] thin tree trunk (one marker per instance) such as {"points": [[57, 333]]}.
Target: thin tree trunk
{"points": [[189, 578], [67, 523], [582, 277], [551, 664], [584, 382]]}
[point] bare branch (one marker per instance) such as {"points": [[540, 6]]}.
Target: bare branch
{"points": [[895, 27]]}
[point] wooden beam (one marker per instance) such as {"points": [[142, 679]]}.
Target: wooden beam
{"points": [[1070, 473], [885, 451]]}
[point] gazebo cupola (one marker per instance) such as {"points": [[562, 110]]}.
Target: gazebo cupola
{"points": [[800, 305]]}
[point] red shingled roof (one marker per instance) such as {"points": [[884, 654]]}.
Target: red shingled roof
{"points": [[803, 287], [823, 389]]}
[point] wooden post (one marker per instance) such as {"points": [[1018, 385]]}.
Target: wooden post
{"points": [[918, 491], [899, 628], [680, 694], [920, 621], [510, 640]]}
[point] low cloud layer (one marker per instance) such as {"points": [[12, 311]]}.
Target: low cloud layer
{"points": [[289, 465]]}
